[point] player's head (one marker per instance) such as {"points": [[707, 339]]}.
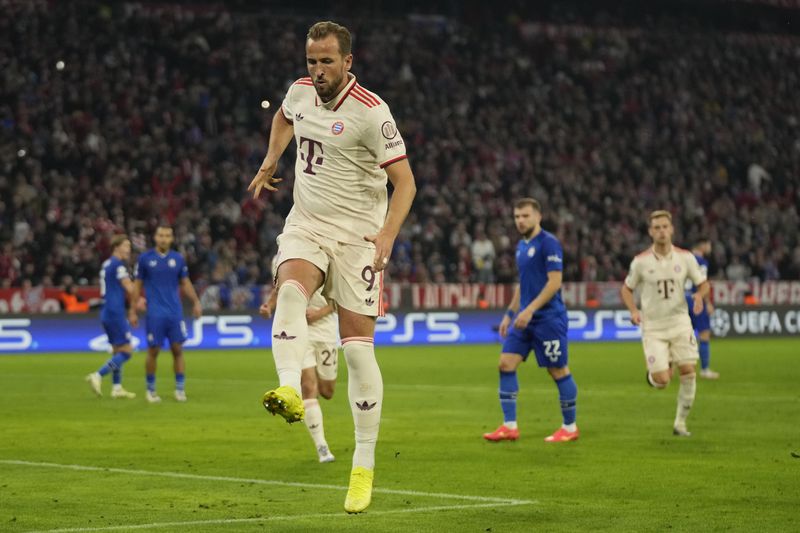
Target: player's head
{"points": [[660, 229], [527, 216], [121, 246], [328, 58], [164, 237], [702, 246]]}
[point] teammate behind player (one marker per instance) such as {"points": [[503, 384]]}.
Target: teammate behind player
{"points": [[540, 324], [162, 271], [701, 322], [115, 284], [667, 336], [338, 231], [318, 377]]}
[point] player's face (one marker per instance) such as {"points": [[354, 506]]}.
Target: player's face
{"points": [[527, 219], [327, 66], [164, 238], [706, 248], [123, 251], [661, 230]]}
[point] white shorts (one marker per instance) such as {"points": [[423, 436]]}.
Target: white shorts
{"points": [[350, 280], [677, 345], [324, 356]]}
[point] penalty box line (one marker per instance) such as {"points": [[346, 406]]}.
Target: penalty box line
{"points": [[277, 518], [180, 475]]}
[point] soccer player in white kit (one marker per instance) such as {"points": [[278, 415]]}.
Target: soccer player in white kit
{"points": [[339, 233], [660, 274], [320, 364]]}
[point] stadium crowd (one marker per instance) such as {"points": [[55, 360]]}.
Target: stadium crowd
{"points": [[114, 117]]}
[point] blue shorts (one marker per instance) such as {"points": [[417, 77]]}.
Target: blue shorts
{"points": [[547, 338], [701, 322], [158, 329], [118, 331]]}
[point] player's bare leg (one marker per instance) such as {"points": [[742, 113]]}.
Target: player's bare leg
{"points": [[686, 394], [326, 387], [296, 280], [313, 418], [567, 396], [179, 366], [150, 366], [365, 391], [509, 387]]}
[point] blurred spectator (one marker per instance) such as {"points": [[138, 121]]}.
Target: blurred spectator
{"points": [[154, 114]]}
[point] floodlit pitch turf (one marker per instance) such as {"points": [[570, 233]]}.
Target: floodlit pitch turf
{"points": [[220, 463]]}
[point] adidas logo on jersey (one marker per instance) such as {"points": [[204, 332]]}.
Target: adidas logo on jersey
{"points": [[365, 406], [369, 301], [284, 337], [298, 117]]}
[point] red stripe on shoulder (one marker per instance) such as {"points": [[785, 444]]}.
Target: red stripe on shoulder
{"points": [[395, 160], [645, 253], [304, 80], [368, 95], [361, 99], [682, 250]]}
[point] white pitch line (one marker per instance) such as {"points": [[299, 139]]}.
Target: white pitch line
{"points": [[227, 521], [180, 475]]}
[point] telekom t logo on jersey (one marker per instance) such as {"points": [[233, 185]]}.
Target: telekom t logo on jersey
{"points": [[309, 153]]}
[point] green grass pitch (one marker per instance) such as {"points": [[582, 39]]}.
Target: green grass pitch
{"points": [[221, 463]]}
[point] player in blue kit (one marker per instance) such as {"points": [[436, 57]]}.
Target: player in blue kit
{"points": [[702, 322], [162, 271], [540, 324], [115, 285]]}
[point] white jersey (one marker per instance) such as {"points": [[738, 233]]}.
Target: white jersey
{"points": [[661, 280], [343, 147], [326, 329]]}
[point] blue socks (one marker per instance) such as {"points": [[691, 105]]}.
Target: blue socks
{"points": [[180, 381], [568, 396], [115, 365], [151, 382], [509, 387], [705, 354]]}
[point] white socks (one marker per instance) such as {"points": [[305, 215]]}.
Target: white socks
{"points": [[686, 394], [313, 421], [365, 390], [290, 333]]}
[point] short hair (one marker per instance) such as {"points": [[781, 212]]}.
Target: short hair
{"points": [[701, 240], [658, 214], [117, 240], [320, 30], [165, 225], [533, 202]]}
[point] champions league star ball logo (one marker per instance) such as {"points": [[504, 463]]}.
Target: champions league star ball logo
{"points": [[337, 128], [720, 322], [531, 251]]}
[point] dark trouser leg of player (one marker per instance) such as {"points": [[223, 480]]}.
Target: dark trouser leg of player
{"points": [[150, 368], [179, 366]]}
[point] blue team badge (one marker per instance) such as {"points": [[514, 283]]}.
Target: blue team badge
{"points": [[171, 263], [337, 128], [531, 251]]}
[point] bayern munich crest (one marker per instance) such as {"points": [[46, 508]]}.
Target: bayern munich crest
{"points": [[677, 269], [337, 128]]}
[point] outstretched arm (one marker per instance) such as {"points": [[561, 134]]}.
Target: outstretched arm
{"points": [[280, 136], [405, 189]]}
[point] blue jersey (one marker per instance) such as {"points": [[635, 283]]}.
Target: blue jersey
{"points": [[161, 276], [535, 258], [691, 288], [112, 273]]}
